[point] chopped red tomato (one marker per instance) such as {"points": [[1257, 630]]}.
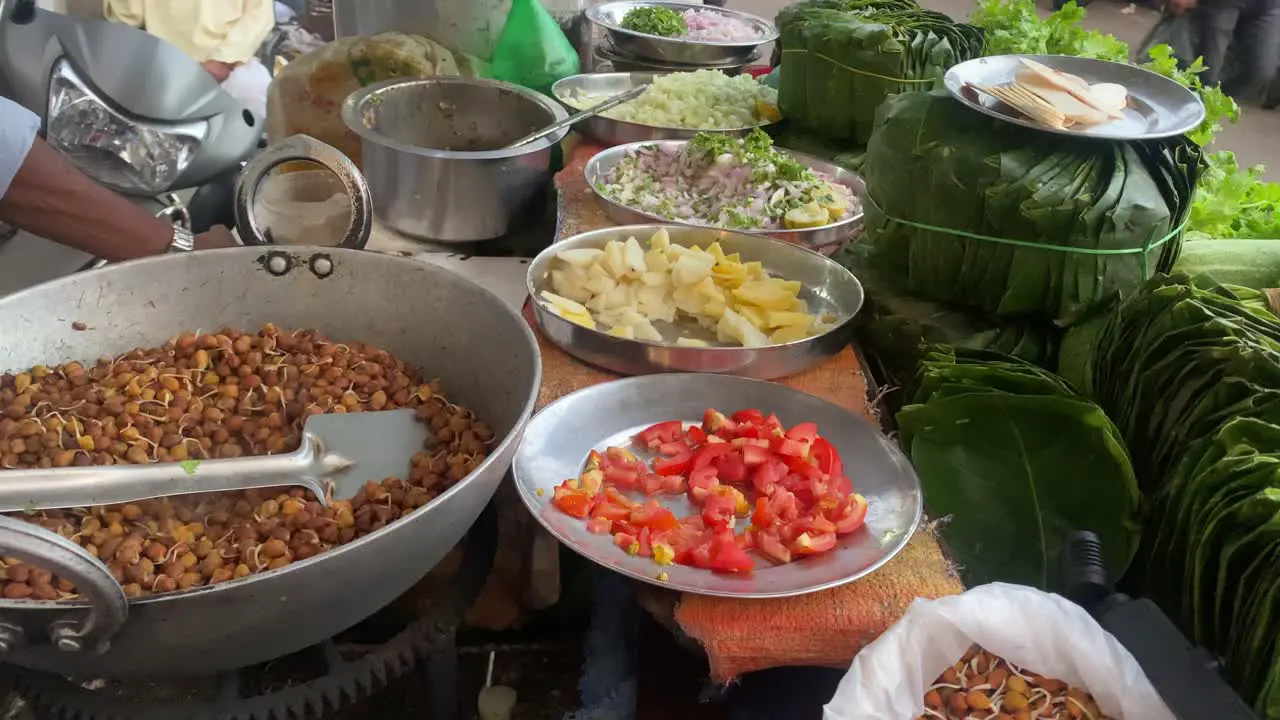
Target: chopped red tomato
{"points": [[827, 458], [655, 517], [771, 547], [714, 421], [801, 500], [702, 483], [727, 556], [622, 477], [812, 544], [645, 543], [765, 477], [675, 447], [652, 484], [663, 432], [731, 467], [708, 454], [627, 541], [609, 511], [695, 435], [762, 516], [674, 464], [572, 502], [851, 515], [792, 448], [805, 432], [773, 425], [754, 455], [718, 512]]}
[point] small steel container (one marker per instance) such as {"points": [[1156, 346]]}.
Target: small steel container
{"points": [[433, 157], [675, 50], [825, 285], [601, 166], [620, 132]]}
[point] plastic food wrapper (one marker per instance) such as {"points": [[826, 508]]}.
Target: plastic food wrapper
{"points": [[1043, 633], [307, 95], [532, 50]]}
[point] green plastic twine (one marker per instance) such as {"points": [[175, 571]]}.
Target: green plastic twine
{"points": [[1152, 244], [856, 71]]}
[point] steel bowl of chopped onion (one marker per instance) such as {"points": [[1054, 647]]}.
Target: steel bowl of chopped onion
{"points": [[739, 184]]}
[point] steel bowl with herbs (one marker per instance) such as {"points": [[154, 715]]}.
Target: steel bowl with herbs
{"points": [[742, 184], [678, 32]]}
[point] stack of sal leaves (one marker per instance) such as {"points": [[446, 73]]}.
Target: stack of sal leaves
{"points": [[842, 58], [1014, 460], [1190, 371], [1011, 222]]}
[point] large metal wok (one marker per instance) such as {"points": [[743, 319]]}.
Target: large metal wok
{"points": [[481, 350]]}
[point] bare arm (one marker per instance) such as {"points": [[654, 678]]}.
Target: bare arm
{"points": [[51, 198]]}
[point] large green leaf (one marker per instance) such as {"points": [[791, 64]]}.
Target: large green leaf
{"points": [[1015, 475]]}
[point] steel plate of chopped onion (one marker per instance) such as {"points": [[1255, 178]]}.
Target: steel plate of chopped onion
{"points": [[720, 181]]}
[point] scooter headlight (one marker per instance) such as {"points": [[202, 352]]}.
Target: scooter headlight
{"points": [[117, 151]]}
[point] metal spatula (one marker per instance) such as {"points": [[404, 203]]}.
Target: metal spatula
{"points": [[339, 453]]}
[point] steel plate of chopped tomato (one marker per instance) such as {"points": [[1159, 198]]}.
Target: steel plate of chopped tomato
{"points": [[784, 488]]}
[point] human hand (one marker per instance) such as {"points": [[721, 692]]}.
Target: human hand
{"points": [[1179, 7], [216, 237], [218, 69]]}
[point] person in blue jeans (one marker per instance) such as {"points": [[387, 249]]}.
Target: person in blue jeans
{"points": [[1248, 31]]}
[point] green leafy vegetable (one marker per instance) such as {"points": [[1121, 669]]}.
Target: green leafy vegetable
{"points": [[189, 466], [938, 175], [1016, 460], [1231, 203], [1014, 27], [660, 21], [841, 58]]}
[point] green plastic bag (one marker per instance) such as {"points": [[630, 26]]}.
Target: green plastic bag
{"points": [[532, 50]]}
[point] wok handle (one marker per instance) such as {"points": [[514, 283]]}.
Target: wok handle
{"points": [[43, 549], [306, 149]]}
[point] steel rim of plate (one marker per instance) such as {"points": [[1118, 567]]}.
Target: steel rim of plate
{"points": [[606, 51], [959, 77], [556, 442]]}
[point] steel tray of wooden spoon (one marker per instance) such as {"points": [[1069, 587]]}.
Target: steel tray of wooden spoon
{"points": [[1076, 96]]}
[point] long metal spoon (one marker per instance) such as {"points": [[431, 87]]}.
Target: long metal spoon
{"points": [[578, 117], [338, 454]]}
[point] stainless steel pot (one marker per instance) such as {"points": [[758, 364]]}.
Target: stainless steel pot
{"points": [[433, 158], [482, 351]]}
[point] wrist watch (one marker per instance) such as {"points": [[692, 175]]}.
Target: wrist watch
{"points": [[183, 240]]}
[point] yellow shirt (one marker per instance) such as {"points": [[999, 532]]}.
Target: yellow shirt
{"points": [[226, 30]]}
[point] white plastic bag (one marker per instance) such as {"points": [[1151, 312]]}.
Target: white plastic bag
{"points": [[1043, 633]]}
